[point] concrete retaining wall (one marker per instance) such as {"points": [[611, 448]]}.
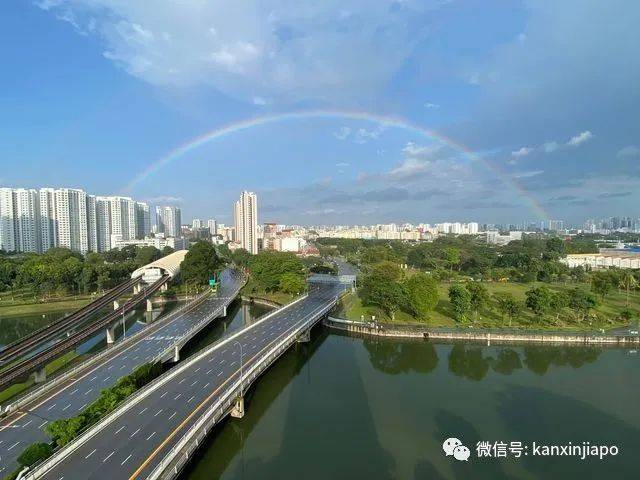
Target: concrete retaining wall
{"points": [[480, 336]]}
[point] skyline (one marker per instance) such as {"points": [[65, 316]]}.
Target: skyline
{"points": [[534, 127]]}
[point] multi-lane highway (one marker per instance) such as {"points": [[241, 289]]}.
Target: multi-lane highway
{"points": [[134, 443], [25, 426]]}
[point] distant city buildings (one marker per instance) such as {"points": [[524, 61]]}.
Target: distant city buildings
{"points": [[169, 221], [35, 220], [246, 222]]}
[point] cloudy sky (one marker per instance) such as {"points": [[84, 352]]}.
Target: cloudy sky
{"points": [[340, 111]]}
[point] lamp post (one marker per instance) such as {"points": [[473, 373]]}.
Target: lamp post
{"points": [[240, 345]]}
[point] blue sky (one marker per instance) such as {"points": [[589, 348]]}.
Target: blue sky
{"points": [[540, 101]]}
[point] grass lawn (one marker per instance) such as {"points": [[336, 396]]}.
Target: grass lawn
{"points": [[605, 314], [43, 307], [50, 368]]}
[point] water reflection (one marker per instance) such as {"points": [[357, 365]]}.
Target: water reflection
{"points": [[401, 357]]}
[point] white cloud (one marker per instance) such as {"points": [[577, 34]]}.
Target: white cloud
{"points": [[420, 151], [343, 133], [343, 164], [580, 138], [628, 151], [260, 101], [527, 174], [362, 135], [522, 152], [410, 167], [431, 105], [550, 147], [288, 51]]}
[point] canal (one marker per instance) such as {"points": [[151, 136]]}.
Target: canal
{"points": [[346, 407]]}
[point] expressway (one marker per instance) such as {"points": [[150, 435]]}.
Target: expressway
{"points": [[25, 426], [134, 443], [45, 334]]}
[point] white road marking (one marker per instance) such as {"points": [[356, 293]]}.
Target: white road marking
{"points": [[134, 433], [125, 460], [92, 452], [108, 456], [120, 429], [149, 437]]}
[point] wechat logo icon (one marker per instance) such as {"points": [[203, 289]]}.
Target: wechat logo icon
{"points": [[454, 447]]}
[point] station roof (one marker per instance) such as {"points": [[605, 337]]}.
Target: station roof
{"points": [[168, 265]]}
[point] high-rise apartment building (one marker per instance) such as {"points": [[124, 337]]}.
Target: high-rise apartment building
{"points": [[212, 226], [246, 220], [48, 222], [168, 221], [7, 221], [76, 230], [27, 220], [196, 224]]}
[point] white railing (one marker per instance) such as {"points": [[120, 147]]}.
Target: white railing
{"points": [[135, 398], [189, 442], [58, 379]]}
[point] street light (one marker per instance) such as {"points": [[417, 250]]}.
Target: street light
{"points": [[124, 325], [240, 345]]}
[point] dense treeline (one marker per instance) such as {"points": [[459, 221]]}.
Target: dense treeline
{"points": [[272, 271], [404, 277], [60, 271], [530, 259]]}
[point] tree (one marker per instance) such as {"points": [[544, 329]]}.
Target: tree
{"points": [[241, 257], [167, 250], [460, 299], [601, 284], [582, 301], [377, 289], [507, 305], [452, 257], [200, 264], [422, 294], [268, 267], [559, 300], [627, 282], [292, 283], [146, 255], [479, 296], [34, 453], [538, 299]]}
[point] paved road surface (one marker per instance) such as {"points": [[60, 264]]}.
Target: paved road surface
{"points": [[133, 444], [24, 427]]}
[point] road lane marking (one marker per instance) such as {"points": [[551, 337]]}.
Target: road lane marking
{"points": [[125, 460], [120, 429], [108, 456], [191, 398], [150, 436], [134, 433], [158, 413], [92, 452], [12, 446]]}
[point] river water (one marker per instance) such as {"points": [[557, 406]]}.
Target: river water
{"points": [[346, 407]]}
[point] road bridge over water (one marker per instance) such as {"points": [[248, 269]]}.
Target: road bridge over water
{"points": [[156, 431]]}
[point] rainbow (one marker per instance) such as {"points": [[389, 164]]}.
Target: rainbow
{"points": [[387, 121]]}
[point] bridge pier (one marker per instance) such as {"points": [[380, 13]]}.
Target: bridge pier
{"points": [[111, 334], [304, 336], [224, 311], [149, 305], [176, 354], [164, 287], [40, 375], [137, 288], [116, 305], [238, 408]]}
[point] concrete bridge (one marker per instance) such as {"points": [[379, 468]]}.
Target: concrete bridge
{"points": [[155, 432], [65, 395]]}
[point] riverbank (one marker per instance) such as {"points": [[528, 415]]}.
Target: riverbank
{"points": [[479, 336]]}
